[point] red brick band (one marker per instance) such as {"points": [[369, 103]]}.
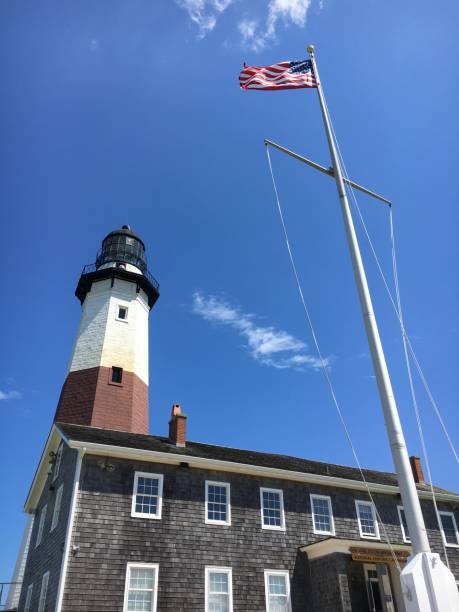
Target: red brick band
{"points": [[89, 398]]}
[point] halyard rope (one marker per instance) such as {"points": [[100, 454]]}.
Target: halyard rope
{"points": [[389, 293], [405, 340], [410, 379], [323, 362]]}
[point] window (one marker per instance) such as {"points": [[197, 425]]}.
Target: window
{"points": [[322, 515], [57, 463], [43, 591], [277, 589], [147, 495], [28, 599], [219, 595], [57, 507], [272, 509], [141, 587], [41, 525], [449, 528], [368, 524], [403, 524], [117, 375], [218, 508], [122, 313]]}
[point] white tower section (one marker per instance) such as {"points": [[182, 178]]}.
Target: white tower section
{"points": [[113, 329]]}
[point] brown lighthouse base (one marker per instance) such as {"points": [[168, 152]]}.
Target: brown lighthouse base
{"points": [[89, 397]]}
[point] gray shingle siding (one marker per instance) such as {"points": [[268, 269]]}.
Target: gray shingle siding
{"points": [[47, 556], [108, 538]]}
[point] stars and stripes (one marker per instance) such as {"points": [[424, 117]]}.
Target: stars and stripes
{"points": [[284, 75]]}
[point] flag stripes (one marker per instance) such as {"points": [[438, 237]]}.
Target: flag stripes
{"points": [[284, 75]]}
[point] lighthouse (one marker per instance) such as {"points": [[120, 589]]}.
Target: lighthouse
{"points": [[107, 379]]}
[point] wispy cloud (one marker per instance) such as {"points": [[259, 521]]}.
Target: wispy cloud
{"points": [[267, 345], [204, 13], [257, 34], [257, 30], [9, 395]]}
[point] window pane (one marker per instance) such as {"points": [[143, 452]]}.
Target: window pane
{"points": [[449, 529], [277, 593], [147, 495], [218, 603], [277, 585], [216, 503], [117, 374], [141, 589], [367, 522], [272, 509], [321, 513], [278, 604], [218, 582], [218, 592], [139, 601], [404, 523], [141, 578]]}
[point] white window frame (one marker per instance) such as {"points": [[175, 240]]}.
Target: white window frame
{"points": [[28, 599], [43, 592], [57, 507], [451, 514], [287, 583], [406, 537], [41, 525], [117, 317], [227, 486], [158, 514], [367, 536], [57, 463], [280, 527], [330, 510], [129, 566], [227, 570]]}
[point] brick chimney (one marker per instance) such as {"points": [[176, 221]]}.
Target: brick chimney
{"points": [[417, 469], [177, 426]]}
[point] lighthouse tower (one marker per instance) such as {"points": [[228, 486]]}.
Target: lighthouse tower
{"points": [[107, 380]]}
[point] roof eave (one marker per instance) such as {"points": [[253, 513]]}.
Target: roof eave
{"points": [[41, 473], [95, 448]]}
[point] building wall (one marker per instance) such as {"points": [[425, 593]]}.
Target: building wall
{"points": [[107, 538], [47, 556], [18, 575]]}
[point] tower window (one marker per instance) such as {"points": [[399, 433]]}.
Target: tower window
{"points": [[117, 375], [122, 313]]}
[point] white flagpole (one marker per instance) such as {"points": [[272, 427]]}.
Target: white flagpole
{"points": [[410, 499]]}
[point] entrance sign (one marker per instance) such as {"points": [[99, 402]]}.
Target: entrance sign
{"points": [[378, 555]]}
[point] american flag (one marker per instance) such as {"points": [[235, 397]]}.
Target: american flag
{"points": [[284, 75]]}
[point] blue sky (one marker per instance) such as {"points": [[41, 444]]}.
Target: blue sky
{"points": [[118, 112]]}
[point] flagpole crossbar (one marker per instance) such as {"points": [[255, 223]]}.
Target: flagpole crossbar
{"points": [[327, 171]]}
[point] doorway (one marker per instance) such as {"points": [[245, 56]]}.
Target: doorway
{"points": [[379, 588]]}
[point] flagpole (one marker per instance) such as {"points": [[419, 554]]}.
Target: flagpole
{"points": [[411, 505], [427, 583]]}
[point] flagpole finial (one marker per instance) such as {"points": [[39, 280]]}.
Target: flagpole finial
{"points": [[311, 49]]}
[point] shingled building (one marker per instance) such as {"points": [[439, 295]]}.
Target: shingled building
{"points": [[125, 521]]}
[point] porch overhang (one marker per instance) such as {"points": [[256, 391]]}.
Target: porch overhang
{"points": [[366, 551]]}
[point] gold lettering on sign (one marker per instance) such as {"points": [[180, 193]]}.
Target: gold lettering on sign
{"points": [[378, 555]]}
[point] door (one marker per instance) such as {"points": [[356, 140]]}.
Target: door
{"points": [[379, 589]]}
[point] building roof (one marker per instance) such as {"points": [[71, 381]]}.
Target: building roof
{"points": [[161, 444]]}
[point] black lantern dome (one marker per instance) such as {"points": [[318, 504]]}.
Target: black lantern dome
{"points": [[120, 247]]}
